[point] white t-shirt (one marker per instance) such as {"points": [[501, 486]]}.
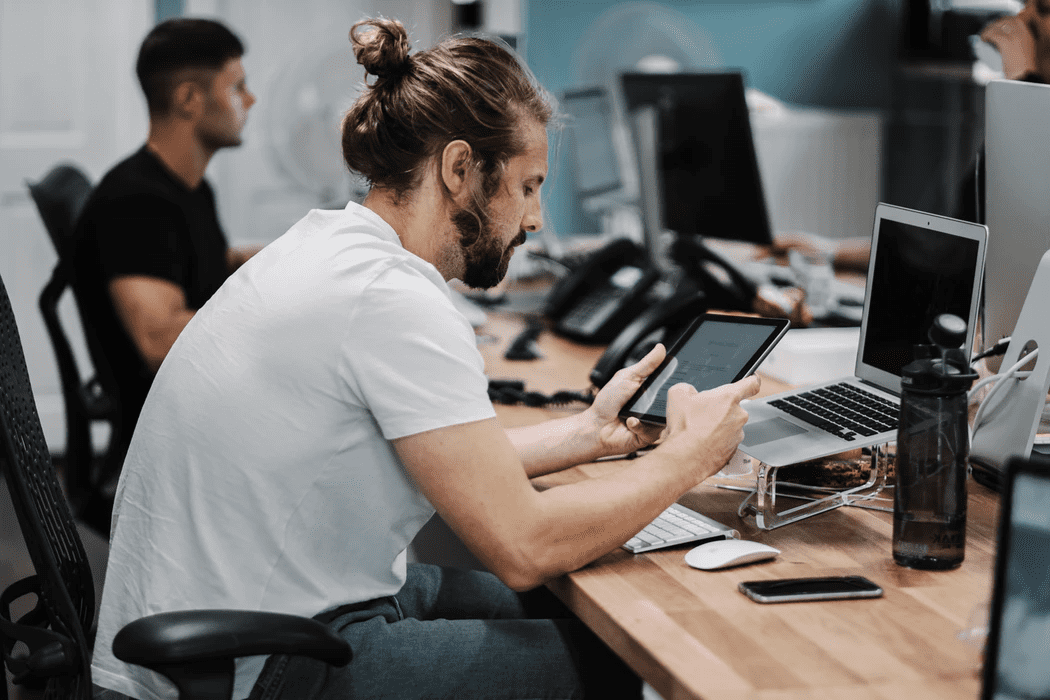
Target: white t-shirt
{"points": [[261, 475]]}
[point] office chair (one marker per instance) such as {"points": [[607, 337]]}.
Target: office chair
{"points": [[194, 648], [60, 196]]}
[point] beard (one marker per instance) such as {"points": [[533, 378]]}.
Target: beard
{"points": [[485, 258]]}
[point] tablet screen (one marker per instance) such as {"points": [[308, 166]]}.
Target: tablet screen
{"points": [[713, 351]]}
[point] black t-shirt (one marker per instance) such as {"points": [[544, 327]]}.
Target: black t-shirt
{"points": [[142, 220]]}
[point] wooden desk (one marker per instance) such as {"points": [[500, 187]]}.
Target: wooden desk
{"points": [[691, 634]]}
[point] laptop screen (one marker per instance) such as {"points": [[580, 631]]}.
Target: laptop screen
{"points": [[1018, 655], [918, 272]]}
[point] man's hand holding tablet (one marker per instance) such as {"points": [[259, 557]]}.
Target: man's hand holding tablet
{"points": [[714, 350]]}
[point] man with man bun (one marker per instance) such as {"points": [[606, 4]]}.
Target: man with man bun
{"points": [[330, 399]]}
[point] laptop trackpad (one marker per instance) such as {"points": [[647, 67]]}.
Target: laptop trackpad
{"points": [[770, 430]]}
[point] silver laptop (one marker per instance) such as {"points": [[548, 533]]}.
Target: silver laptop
{"points": [[921, 265]]}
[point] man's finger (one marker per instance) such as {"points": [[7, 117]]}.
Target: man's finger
{"points": [[746, 387], [648, 364], [684, 388]]}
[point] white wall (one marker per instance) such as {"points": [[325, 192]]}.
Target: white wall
{"points": [[821, 169], [67, 92], [298, 60]]}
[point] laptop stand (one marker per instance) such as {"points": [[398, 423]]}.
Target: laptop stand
{"points": [[766, 503]]}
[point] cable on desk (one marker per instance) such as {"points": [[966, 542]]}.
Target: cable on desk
{"points": [[523, 347], [511, 392]]}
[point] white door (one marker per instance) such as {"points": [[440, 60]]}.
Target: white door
{"points": [[67, 93]]}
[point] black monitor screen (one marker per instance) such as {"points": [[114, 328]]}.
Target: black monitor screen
{"points": [[918, 274], [1018, 654], [708, 169]]}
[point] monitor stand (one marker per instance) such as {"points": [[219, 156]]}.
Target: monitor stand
{"points": [[1014, 410], [645, 122]]}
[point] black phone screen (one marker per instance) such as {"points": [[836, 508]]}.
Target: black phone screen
{"points": [[715, 349], [816, 588]]}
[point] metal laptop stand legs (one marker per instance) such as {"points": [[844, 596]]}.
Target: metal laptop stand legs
{"points": [[769, 494]]}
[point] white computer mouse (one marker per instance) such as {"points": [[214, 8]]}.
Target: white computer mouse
{"points": [[720, 554]]}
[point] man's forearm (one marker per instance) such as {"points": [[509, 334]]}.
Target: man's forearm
{"points": [[556, 444]]}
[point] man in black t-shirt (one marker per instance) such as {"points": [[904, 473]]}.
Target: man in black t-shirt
{"points": [[150, 250]]}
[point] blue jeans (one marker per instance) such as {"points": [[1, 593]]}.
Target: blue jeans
{"points": [[450, 633]]}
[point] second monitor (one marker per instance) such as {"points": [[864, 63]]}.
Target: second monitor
{"points": [[709, 181]]}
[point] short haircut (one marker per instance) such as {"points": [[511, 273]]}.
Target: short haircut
{"points": [[178, 45], [468, 88]]}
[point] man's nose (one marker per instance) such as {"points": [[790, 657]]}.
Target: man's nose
{"points": [[533, 220]]}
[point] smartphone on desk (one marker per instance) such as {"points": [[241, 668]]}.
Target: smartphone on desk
{"points": [[785, 590], [715, 349]]}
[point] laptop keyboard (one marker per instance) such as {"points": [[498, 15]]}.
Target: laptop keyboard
{"points": [[678, 525], [843, 409]]}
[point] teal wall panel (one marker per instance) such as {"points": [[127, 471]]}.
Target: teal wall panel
{"points": [[837, 54]]}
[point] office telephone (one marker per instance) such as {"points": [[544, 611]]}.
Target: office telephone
{"points": [[726, 287], [599, 299], [617, 296], [606, 292], [661, 323]]}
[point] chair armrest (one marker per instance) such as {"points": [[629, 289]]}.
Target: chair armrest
{"points": [[193, 636]]}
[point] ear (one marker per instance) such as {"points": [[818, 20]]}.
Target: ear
{"points": [[453, 167], [188, 99]]}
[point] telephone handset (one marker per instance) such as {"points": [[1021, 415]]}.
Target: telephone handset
{"points": [[593, 303], [661, 323], [726, 287], [708, 281], [611, 298]]}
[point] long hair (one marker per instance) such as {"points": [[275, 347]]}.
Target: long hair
{"points": [[469, 88]]}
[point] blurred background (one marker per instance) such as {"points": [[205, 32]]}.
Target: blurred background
{"points": [[852, 102]]}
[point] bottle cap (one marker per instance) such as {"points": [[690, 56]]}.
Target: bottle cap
{"points": [[947, 331]]}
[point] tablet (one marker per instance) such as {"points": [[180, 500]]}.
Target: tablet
{"points": [[715, 349]]}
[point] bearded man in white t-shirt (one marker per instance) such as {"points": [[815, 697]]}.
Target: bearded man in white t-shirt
{"points": [[329, 398]]}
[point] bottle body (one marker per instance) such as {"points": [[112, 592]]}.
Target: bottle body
{"points": [[929, 505]]}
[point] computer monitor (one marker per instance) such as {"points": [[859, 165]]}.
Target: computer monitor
{"points": [[1017, 656], [709, 181], [591, 129], [1016, 196]]}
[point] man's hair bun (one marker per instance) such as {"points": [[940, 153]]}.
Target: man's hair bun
{"points": [[464, 87], [381, 46]]}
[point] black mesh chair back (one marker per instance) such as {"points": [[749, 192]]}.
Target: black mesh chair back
{"points": [[60, 196], [52, 635]]}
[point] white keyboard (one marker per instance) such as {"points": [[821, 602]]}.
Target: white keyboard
{"points": [[678, 525]]}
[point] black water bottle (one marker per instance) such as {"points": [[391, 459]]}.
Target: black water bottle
{"points": [[933, 447]]}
